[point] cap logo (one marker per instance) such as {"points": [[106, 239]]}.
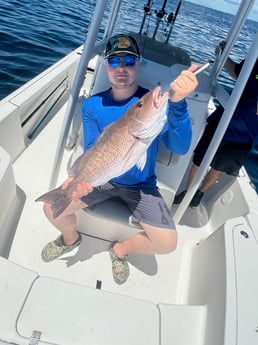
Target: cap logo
{"points": [[123, 43]]}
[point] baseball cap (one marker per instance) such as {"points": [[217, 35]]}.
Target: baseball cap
{"points": [[122, 44]]}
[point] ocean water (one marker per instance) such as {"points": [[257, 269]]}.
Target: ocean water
{"points": [[36, 34]]}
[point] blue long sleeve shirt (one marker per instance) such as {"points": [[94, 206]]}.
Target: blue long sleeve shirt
{"points": [[100, 110]]}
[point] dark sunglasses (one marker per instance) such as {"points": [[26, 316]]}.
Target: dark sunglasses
{"points": [[128, 61]]}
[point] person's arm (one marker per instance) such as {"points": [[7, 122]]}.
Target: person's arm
{"points": [[229, 65], [178, 134], [90, 126]]}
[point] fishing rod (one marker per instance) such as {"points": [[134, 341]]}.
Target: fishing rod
{"points": [[172, 18], [147, 12], [160, 15]]}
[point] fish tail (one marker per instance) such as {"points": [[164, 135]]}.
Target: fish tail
{"points": [[58, 198]]}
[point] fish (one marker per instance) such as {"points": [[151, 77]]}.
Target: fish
{"points": [[122, 145]]}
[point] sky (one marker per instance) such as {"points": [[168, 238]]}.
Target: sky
{"points": [[229, 6]]}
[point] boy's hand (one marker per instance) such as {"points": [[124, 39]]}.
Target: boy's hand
{"points": [[183, 85], [82, 189]]}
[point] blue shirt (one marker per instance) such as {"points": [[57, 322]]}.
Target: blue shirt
{"points": [[100, 110]]}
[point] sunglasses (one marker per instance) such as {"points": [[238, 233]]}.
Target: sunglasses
{"points": [[128, 61]]}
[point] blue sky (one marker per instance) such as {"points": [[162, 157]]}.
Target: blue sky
{"points": [[229, 6]]}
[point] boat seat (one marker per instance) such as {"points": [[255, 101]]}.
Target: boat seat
{"points": [[110, 220]]}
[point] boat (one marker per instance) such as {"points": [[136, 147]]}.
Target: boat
{"points": [[203, 293]]}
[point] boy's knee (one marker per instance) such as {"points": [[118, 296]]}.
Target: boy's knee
{"points": [[47, 210], [170, 241], [173, 241]]}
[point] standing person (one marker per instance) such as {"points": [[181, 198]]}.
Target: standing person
{"points": [[136, 188], [237, 141]]}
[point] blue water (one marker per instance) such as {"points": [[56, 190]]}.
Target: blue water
{"points": [[35, 34]]}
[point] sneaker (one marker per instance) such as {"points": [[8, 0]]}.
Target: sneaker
{"points": [[56, 248], [120, 267], [195, 202], [179, 198]]}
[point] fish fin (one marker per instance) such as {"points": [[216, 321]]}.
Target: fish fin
{"points": [[142, 161], [58, 198]]}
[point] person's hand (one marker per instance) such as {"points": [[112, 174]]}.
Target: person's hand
{"points": [[82, 189], [220, 47], [183, 85], [67, 182]]}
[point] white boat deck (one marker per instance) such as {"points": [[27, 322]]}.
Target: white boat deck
{"points": [[149, 276]]}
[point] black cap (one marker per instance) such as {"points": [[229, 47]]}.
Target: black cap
{"points": [[122, 44]]}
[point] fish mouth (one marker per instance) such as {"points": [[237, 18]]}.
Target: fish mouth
{"points": [[158, 97]]}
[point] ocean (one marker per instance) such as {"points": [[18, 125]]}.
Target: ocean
{"points": [[36, 34]]}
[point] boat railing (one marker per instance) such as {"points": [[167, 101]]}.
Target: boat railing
{"points": [[27, 111]]}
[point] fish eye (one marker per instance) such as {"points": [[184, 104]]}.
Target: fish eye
{"points": [[139, 104]]}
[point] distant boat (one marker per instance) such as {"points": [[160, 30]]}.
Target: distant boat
{"points": [[204, 293]]}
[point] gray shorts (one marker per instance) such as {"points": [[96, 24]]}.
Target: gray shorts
{"points": [[146, 205]]}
